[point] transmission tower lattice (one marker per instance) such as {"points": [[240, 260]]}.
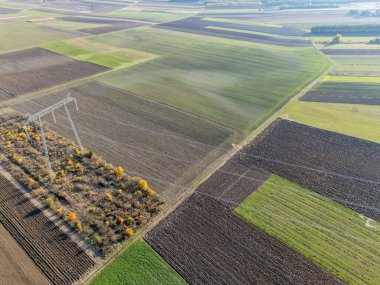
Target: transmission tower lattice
{"points": [[37, 118]]}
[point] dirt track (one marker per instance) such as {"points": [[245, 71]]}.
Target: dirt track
{"points": [[16, 267]]}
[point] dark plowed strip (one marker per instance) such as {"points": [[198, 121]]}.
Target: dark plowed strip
{"points": [[109, 29], [207, 244], [197, 26], [345, 92], [234, 182], [56, 255], [343, 168], [4, 10], [34, 69], [351, 51], [194, 22]]}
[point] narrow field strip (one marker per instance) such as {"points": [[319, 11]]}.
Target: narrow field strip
{"points": [[300, 218]]}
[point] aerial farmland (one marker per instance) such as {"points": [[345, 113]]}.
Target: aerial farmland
{"points": [[189, 142]]}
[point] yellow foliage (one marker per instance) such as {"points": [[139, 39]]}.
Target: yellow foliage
{"points": [[59, 210], [107, 223], [129, 231], [109, 197], [149, 192], [8, 143], [72, 216], [37, 138], [143, 184], [77, 165], [119, 171], [60, 141], [131, 220], [31, 181], [138, 193], [77, 151], [120, 191], [120, 220]]}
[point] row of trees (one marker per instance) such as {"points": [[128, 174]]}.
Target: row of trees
{"points": [[365, 13], [344, 29]]}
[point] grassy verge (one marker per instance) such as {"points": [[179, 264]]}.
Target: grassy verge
{"points": [[329, 234]]}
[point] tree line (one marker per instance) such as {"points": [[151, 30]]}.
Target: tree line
{"points": [[342, 29]]}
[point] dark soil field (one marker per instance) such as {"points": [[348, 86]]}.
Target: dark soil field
{"points": [[197, 26], [34, 69], [4, 10], [112, 24], [345, 92], [207, 244], [165, 145], [56, 255], [351, 51], [235, 182], [342, 168]]}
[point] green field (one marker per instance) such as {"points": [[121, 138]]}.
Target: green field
{"points": [[359, 121], [358, 79], [20, 35], [329, 234], [86, 50], [139, 264], [243, 22], [234, 83], [149, 16]]}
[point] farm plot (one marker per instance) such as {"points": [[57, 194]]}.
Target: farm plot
{"points": [[139, 264], [34, 69], [207, 244], [310, 16], [344, 51], [329, 234], [231, 31], [98, 53], [228, 82], [345, 92], [339, 167], [22, 35], [56, 255], [4, 10], [166, 145], [110, 25], [16, 267]]}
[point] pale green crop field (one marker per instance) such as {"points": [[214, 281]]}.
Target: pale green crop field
{"points": [[234, 83], [20, 35], [359, 121], [329, 234]]}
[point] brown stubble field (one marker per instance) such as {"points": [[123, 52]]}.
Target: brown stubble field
{"points": [[164, 145], [16, 267]]}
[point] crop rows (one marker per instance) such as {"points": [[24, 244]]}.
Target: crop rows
{"points": [[339, 167], [351, 51], [144, 136], [57, 256], [34, 69], [198, 26], [207, 244], [345, 92], [331, 235]]}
